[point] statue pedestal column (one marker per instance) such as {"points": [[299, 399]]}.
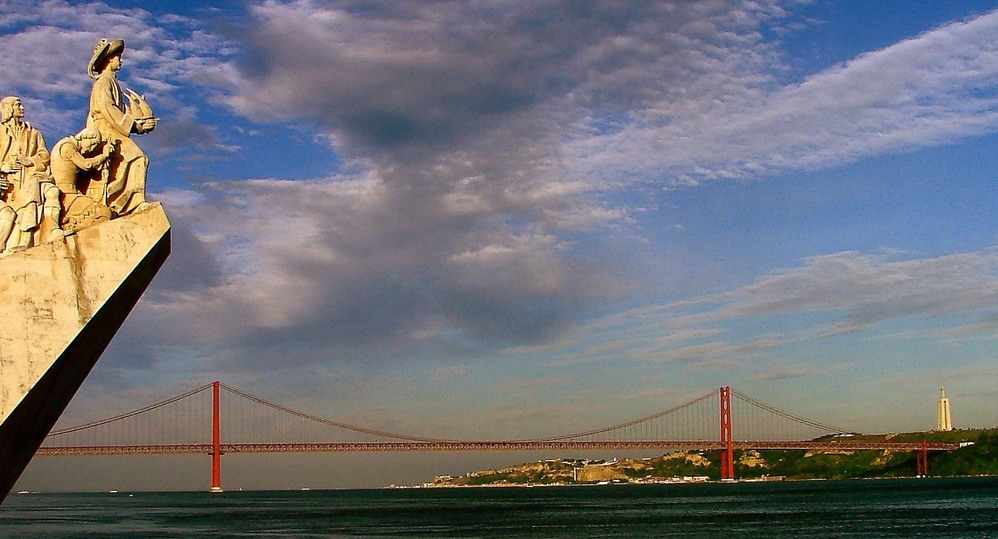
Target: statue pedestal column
{"points": [[60, 304]]}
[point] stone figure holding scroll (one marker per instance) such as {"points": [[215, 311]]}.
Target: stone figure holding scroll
{"points": [[127, 167], [28, 189]]}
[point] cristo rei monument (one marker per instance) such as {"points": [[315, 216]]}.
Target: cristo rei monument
{"points": [[79, 244]]}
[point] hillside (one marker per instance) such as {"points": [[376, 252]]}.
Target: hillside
{"points": [[980, 458]]}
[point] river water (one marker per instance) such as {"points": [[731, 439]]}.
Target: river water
{"points": [[875, 508]]}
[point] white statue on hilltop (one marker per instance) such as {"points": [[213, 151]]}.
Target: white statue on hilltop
{"points": [[127, 168]]}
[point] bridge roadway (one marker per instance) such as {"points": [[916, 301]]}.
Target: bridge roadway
{"points": [[499, 445]]}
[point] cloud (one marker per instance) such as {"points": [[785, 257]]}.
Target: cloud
{"points": [[787, 372], [456, 227], [400, 75], [956, 376], [47, 46], [516, 384], [350, 268], [505, 120], [871, 289], [483, 154], [449, 373], [180, 134], [483, 90], [827, 296], [932, 89]]}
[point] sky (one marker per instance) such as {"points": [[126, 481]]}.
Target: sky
{"points": [[485, 219]]}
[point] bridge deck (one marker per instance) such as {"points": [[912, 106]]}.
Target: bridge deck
{"points": [[500, 445]]}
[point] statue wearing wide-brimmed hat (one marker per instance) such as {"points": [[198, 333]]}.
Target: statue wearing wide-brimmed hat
{"points": [[124, 181]]}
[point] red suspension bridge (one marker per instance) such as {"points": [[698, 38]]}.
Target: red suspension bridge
{"points": [[193, 423]]}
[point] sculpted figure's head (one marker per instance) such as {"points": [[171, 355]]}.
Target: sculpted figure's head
{"points": [[11, 107], [89, 139], [107, 55]]}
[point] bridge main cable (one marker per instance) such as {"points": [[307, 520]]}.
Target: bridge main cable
{"points": [[332, 423], [697, 400], [133, 413], [803, 420]]}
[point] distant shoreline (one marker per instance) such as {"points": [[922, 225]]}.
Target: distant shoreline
{"points": [[670, 483]]}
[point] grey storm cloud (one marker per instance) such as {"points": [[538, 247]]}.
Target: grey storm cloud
{"points": [[438, 76], [460, 227], [347, 274], [460, 114], [457, 234], [175, 136], [457, 110]]}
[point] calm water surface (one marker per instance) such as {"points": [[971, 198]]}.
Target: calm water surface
{"points": [[885, 508]]}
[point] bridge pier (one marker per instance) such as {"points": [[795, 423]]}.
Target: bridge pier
{"points": [[923, 460], [216, 441]]}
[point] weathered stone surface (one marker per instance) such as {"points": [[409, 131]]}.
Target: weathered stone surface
{"points": [[60, 304]]}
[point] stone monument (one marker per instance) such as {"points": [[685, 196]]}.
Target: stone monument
{"points": [[944, 417], [79, 244]]}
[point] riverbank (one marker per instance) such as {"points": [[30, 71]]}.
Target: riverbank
{"points": [[976, 456]]}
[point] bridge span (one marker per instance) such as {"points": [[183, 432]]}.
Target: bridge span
{"points": [[669, 430]]}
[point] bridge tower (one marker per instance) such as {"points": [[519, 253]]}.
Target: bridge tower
{"points": [[728, 451], [923, 460], [216, 441]]}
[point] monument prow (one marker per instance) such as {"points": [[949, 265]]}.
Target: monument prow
{"points": [[79, 243], [62, 302]]}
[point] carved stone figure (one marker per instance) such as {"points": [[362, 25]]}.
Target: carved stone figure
{"points": [[63, 300], [28, 189], [79, 195], [116, 122]]}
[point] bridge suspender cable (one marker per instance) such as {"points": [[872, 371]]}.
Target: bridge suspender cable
{"points": [[402, 442], [330, 422], [743, 397], [788, 415], [129, 414], [697, 400]]}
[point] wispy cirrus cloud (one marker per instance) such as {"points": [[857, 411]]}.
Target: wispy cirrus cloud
{"points": [[827, 296], [519, 384], [958, 375], [869, 289], [931, 89], [48, 44]]}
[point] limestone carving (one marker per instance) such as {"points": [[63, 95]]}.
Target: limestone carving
{"points": [[29, 211], [64, 299], [116, 121], [93, 176], [70, 166]]}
